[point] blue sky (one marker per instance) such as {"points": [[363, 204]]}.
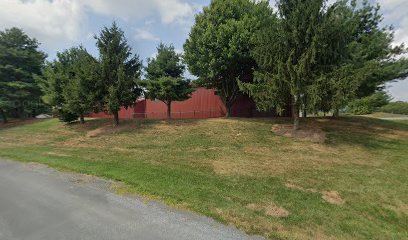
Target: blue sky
{"points": [[60, 24]]}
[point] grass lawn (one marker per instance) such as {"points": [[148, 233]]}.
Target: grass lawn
{"points": [[385, 115], [354, 185]]}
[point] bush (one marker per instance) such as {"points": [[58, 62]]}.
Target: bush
{"points": [[64, 116], [396, 108], [369, 104]]}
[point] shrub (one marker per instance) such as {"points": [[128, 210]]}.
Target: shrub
{"points": [[369, 104], [64, 116], [395, 107]]}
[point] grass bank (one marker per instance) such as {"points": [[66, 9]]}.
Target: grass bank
{"points": [[354, 185]]}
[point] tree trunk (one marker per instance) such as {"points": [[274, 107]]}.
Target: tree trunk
{"points": [[336, 112], [169, 111], [304, 107], [82, 119], [228, 107], [116, 118], [3, 116], [295, 114]]}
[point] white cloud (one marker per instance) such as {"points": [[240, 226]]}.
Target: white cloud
{"points": [[170, 11], [401, 33], [61, 23], [48, 21], [142, 34], [399, 90]]}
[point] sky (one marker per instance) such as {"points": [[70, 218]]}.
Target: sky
{"points": [[60, 24]]}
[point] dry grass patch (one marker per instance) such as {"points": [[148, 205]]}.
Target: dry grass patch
{"points": [[269, 209], [309, 133], [332, 197]]}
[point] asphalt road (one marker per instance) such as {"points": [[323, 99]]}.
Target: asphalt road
{"points": [[37, 202]]}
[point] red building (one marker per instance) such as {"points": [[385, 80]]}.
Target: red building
{"points": [[204, 103]]}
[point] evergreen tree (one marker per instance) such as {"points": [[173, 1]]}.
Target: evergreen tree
{"points": [[322, 56], [68, 84], [218, 47], [20, 61], [164, 75], [119, 72], [79, 98]]}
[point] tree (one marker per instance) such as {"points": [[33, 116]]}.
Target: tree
{"points": [[119, 72], [367, 105], [79, 98], [164, 75], [218, 47], [20, 61], [167, 90], [286, 52], [68, 84], [322, 56], [368, 57]]}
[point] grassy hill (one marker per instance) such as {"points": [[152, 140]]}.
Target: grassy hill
{"points": [[352, 183]]}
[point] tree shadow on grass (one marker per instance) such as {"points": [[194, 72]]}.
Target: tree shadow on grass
{"points": [[369, 133]]}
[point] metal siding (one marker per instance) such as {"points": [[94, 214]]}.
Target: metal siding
{"points": [[202, 104]]}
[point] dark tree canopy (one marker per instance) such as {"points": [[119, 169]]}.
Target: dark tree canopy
{"points": [[20, 61], [218, 48], [119, 71]]}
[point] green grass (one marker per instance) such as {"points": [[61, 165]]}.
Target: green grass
{"points": [[239, 172], [385, 115]]}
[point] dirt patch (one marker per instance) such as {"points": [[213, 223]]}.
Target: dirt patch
{"points": [[99, 131], [269, 209], [332, 197], [309, 133]]}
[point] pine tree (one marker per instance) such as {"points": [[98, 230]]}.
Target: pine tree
{"points": [[119, 72], [20, 61]]}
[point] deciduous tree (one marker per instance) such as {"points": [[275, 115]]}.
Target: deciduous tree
{"points": [[218, 48], [164, 75]]}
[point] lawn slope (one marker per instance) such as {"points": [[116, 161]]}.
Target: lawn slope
{"points": [[354, 185]]}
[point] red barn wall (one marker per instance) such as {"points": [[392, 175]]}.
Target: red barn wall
{"points": [[202, 104], [123, 113]]}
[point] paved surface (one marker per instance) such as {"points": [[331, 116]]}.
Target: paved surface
{"points": [[38, 203], [395, 118]]}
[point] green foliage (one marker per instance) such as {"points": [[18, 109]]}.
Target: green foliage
{"points": [[322, 56], [119, 72], [367, 105], [398, 107], [218, 47], [164, 78], [20, 61], [166, 63], [68, 84], [79, 91], [287, 53], [66, 116]]}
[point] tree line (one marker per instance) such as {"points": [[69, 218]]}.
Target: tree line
{"points": [[306, 56], [314, 55]]}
